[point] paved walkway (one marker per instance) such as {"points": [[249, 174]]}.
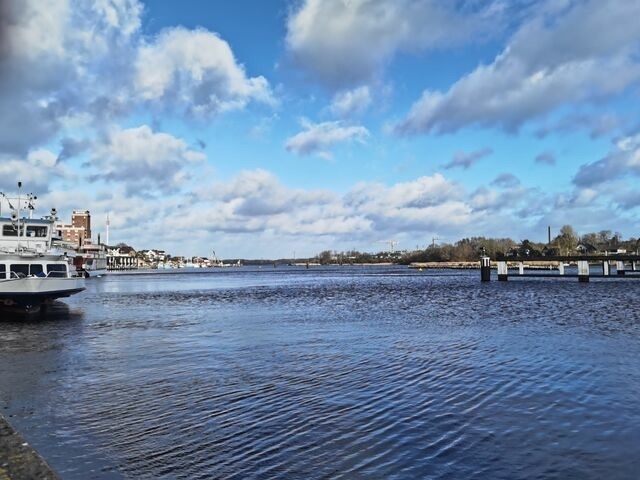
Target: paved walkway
{"points": [[18, 461]]}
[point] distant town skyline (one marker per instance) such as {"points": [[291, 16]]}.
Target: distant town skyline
{"points": [[262, 128]]}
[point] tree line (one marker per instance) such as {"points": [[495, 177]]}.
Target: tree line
{"points": [[567, 242]]}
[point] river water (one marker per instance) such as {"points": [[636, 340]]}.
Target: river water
{"points": [[344, 372]]}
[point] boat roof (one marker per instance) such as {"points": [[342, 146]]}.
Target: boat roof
{"points": [[32, 221], [10, 258]]}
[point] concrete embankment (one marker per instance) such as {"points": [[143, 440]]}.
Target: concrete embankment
{"points": [[18, 461]]}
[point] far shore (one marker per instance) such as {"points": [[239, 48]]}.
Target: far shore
{"points": [[458, 265]]}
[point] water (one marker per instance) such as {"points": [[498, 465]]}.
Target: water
{"points": [[346, 372]]}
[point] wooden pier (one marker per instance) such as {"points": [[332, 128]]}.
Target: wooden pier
{"points": [[619, 265]]}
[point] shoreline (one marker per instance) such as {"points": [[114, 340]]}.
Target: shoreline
{"points": [[18, 460], [448, 265]]}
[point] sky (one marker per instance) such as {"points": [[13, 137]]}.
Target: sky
{"points": [[282, 128]]}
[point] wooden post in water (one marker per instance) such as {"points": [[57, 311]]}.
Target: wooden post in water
{"points": [[583, 271], [561, 268], [503, 272], [485, 269], [620, 267], [521, 268], [606, 268]]}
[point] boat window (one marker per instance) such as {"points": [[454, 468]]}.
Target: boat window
{"points": [[3, 271], [39, 231], [56, 270], [10, 230], [20, 269], [36, 269]]}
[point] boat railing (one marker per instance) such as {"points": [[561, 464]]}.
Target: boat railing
{"points": [[53, 274], [57, 274]]}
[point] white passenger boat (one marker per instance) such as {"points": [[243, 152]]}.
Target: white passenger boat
{"points": [[91, 260], [32, 272]]}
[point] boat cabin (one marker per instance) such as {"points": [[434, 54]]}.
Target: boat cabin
{"points": [[25, 248], [27, 234], [19, 267]]}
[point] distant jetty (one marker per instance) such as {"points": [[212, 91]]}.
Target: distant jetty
{"points": [[533, 265]]}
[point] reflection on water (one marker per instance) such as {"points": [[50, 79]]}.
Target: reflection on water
{"points": [[331, 373]]}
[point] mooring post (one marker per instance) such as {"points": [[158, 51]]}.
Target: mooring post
{"points": [[583, 271], [633, 266], [502, 271], [620, 267], [605, 268], [521, 268], [485, 269], [561, 268]]}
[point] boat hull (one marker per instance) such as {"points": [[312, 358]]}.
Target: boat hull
{"points": [[32, 292], [88, 273]]}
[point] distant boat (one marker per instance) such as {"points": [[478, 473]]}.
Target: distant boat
{"points": [[91, 260]]}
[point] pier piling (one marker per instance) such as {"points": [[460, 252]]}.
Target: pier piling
{"points": [[485, 269], [583, 271], [503, 271], [626, 266]]}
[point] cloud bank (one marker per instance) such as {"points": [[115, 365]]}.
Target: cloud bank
{"points": [[346, 43], [79, 64], [588, 53]]}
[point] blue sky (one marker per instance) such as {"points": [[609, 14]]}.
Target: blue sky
{"points": [[263, 128]]}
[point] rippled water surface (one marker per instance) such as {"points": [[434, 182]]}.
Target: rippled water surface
{"points": [[347, 372]]}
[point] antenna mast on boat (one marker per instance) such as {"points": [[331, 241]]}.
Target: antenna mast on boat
{"points": [[19, 201]]}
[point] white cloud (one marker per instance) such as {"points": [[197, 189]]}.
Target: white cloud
{"points": [[318, 138], [587, 52], [120, 15], [545, 158], [596, 125], [506, 180], [195, 70], [260, 193], [343, 43], [427, 203], [466, 160], [510, 199], [257, 202], [36, 170], [622, 161], [484, 198], [349, 103], [57, 62], [143, 160]]}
